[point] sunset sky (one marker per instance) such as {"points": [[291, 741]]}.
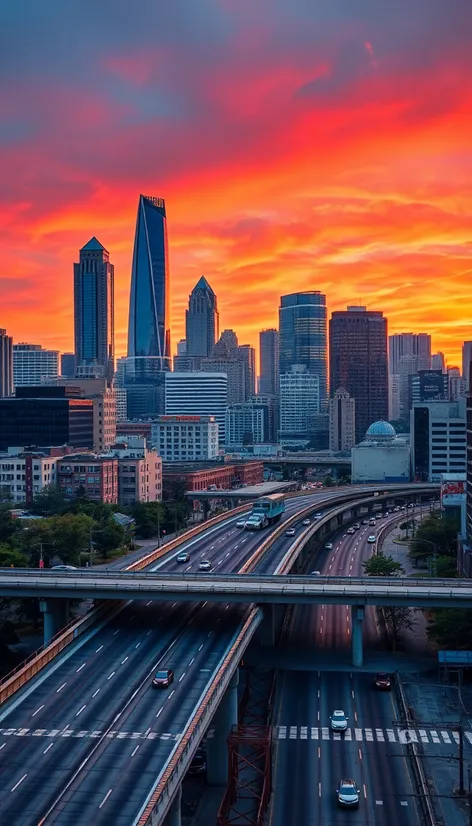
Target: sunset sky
{"points": [[299, 144]]}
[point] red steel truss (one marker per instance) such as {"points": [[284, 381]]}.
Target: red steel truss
{"points": [[249, 785]]}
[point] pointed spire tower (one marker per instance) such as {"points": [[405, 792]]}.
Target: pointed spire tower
{"points": [[201, 320]]}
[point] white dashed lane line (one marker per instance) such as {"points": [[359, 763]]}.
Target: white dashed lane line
{"points": [[111, 675], [81, 667], [81, 710], [19, 781], [135, 750], [47, 748], [37, 711], [123, 661], [105, 798], [60, 688], [99, 649], [95, 693]]}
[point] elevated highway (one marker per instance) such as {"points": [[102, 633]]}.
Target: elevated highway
{"points": [[97, 694]]}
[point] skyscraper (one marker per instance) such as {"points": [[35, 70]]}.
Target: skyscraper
{"points": [[407, 353], [6, 364], [198, 393], [303, 338], [201, 320], [247, 355], [466, 361], [358, 363], [149, 316], [342, 416], [269, 361], [94, 309]]}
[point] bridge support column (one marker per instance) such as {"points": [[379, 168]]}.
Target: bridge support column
{"points": [[217, 748], [56, 616], [357, 618], [206, 509], [173, 816], [267, 635]]}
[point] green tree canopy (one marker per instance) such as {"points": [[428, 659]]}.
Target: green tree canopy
{"points": [[11, 557], [436, 535], [328, 481], [71, 534], [108, 535], [452, 628], [150, 517], [380, 565], [49, 502]]}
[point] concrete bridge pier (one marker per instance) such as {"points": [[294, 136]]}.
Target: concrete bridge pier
{"points": [[173, 816], [217, 750], [56, 616], [357, 618]]}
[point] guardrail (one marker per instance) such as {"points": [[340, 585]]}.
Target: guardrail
{"points": [[159, 801], [418, 771]]}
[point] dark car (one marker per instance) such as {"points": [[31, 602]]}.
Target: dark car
{"points": [[163, 679], [383, 681], [199, 762]]}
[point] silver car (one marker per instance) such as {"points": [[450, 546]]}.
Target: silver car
{"points": [[348, 794], [338, 721], [205, 565]]}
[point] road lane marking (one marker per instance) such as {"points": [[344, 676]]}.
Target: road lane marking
{"points": [[81, 667], [365, 791], [99, 649], [148, 603], [47, 748], [445, 736], [111, 675], [2, 746], [95, 693], [191, 662], [37, 710], [123, 661], [319, 789], [19, 781], [181, 677], [293, 732], [137, 645], [303, 732], [135, 750], [105, 798], [379, 735], [159, 712], [60, 688], [80, 710]]}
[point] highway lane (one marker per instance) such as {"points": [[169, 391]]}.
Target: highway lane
{"points": [[83, 694], [310, 760]]}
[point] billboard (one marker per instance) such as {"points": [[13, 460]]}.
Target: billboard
{"points": [[453, 489], [431, 385]]}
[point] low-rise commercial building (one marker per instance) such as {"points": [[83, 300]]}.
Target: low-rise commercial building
{"points": [[199, 476], [24, 474], [95, 477], [32, 365], [246, 423], [185, 438], [381, 457], [46, 416], [438, 439], [139, 472]]}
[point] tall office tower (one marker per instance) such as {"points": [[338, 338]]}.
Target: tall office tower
{"points": [[247, 355], [342, 421], [456, 386], [201, 320], [199, 393], [94, 310], [393, 397], [358, 362], [32, 364], [226, 345], [6, 364], [299, 404], [269, 361], [302, 335], [438, 362], [408, 353], [246, 424], [149, 351], [438, 437], [270, 402], [68, 365], [466, 362]]}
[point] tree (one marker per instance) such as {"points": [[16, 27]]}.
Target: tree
{"points": [[71, 534], [11, 558], [150, 517], [49, 502], [436, 535], [397, 619], [328, 482], [175, 491], [8, 526], [107, 536], [380, 565], [451, 628]]}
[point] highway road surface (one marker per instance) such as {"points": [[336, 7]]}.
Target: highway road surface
{"points": [[310, 760]]}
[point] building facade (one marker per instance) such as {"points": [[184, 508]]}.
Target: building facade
{"points": [[32, 364], [272, 404], [224, 476], [6, 364], [186, 438], [269, 362], [95, 477], [303, 336], [234, 371], [201, 320], [103, 396], [438, 439], [68, 366], [139, 472], [358, 363], [23, 475], [466, 362], [381, 457], [342, 421], [94, 310], [246, 424], [121, 400], [299, 402], [428, 386], [44, 416], [197, 394]]}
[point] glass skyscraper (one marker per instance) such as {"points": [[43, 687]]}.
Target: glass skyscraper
{"points": [[201, 320], [303, 335], [149, 315], [94, 323]]}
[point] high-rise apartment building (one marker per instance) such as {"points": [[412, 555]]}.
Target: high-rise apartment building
{"points": [[68, 365], [247, 355], [408, 353], [466, 362], [270, 402], [149, 316], [299, 404], [186, 438], [6, 364], [269, 361], [197, 393], [438, 362], [246, 424], [342, 421], [94, 310], [32, 364], [303, 337], [358, 362], [201, 320]]}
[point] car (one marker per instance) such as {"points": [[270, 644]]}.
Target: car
{"points": [[163, 679], [347, 794], [365, 521], [338, 721], [356, 526], [350, 531], [183, 557], [205, 565], [241, 523], [199, 762], [372, 522], [371, 539], [290, 532], [385, 514], [316, 573], [63, 568], [383, 681], [329, 546], [397, 509], [378, 516], [306, 522], [318, 515]]}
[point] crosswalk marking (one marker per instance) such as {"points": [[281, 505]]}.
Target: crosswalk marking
{"points": [[116, 735], [369, 735]]}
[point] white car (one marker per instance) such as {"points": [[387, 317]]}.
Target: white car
{"points": [[205, 565], [338, 721], [240, 523], [290, 532], [183, 557], [318, 516], [350, 531], [306, 522], [316, 573], [63, 568], [329, 546], [371, 539]]}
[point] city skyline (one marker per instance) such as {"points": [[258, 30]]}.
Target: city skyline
{"points": [[330, 148]]}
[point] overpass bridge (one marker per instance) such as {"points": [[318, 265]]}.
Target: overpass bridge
{"points": [[94, 694], [339, 465]]}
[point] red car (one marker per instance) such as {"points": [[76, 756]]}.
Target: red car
{"points": [[163, 679], [383, 682]]}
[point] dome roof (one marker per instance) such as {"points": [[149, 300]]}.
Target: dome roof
{"points": [[381, 430]]}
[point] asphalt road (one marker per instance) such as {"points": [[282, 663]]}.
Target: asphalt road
{"points": [[53, 727], [309, 760]]}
